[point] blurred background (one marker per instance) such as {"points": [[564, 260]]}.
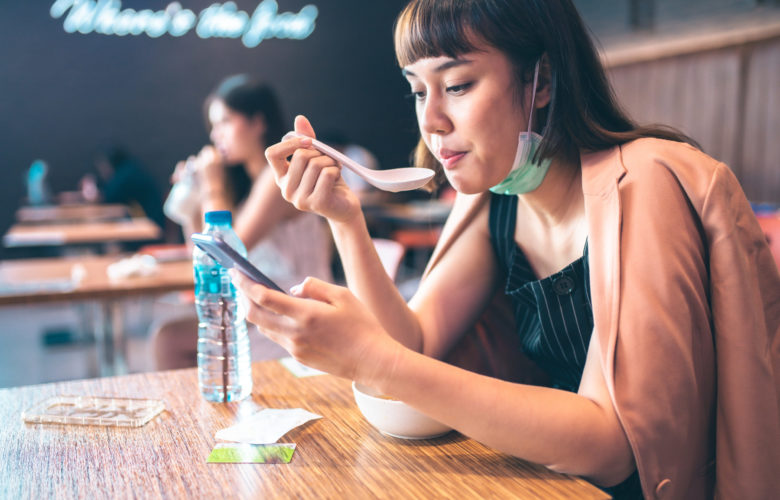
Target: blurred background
{"points": [[708, 67]]}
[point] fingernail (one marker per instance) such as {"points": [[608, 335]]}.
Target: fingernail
{"points": [[296, 289]]}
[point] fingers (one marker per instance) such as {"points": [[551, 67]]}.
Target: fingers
{"points": [[306, 170], [263, 296], [302, 161], [313, 288], [209, 157], [278, 153], [303, 126]]}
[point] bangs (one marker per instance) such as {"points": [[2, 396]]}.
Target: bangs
{"points": [[434, 28]]}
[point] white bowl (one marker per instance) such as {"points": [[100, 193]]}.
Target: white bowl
{"points": [[395, 418]]}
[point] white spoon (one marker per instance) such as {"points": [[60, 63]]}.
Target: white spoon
{"points": [[393, 180]]}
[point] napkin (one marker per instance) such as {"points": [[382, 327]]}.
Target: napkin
{"points": [[266, 426], [137, 265]]}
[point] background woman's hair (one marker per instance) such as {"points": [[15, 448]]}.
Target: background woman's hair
{"points": [[583, 113]]}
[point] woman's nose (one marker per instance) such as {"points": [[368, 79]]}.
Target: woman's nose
{"points": [[433, 118]]}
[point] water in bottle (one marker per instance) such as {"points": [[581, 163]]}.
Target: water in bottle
{"points": [[224, 359]]}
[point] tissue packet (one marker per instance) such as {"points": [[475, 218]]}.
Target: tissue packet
{"points": [[266, 426]]}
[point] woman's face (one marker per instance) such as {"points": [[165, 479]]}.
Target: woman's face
{"points": [[468, 115], [236, 136]]}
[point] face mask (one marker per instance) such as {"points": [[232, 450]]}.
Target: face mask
{"points": [[525, 175]]}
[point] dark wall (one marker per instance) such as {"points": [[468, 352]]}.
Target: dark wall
{"points": [[64, 95]]}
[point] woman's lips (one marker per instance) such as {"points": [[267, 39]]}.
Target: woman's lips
{"points": [[449, 159]]}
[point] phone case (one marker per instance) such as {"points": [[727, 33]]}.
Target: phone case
{"points": [[227, 257], [90, 410]]}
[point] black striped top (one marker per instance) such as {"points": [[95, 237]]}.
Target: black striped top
{"points": [[553, 315]]}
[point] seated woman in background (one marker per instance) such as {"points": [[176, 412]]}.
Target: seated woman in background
{"points": [[122, 179], [244, 116], [640, 283]]}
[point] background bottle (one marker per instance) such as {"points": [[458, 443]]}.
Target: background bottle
{"points": [[183, 203], [37, 187], [224, 359]]}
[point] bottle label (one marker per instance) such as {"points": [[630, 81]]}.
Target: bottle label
{"points": [[213, 280]]}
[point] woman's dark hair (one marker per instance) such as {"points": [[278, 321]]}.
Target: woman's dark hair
{"points": [[583, 113], [251, 98]]}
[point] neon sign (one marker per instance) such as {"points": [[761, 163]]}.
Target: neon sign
{"points": [[216, 21]]}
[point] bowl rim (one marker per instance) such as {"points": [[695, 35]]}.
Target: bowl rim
{"points": [[356, 387], [375, 402]]}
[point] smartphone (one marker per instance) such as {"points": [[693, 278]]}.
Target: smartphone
{"points": [[228, 258]]}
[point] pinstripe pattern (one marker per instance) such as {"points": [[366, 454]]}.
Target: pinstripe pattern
{"points": [[554, 315], [555, 322]]}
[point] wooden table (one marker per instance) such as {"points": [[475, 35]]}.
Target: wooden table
{"points": [[338, 456], [76, 212], [137, 229], [32, 281]]}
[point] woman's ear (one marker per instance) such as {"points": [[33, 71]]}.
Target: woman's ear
{"points": [[544, 85]]}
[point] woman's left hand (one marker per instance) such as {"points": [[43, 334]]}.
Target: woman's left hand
{"points": [[323, 326]]}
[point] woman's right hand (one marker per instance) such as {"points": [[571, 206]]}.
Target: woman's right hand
{"points": [[310, 180]]}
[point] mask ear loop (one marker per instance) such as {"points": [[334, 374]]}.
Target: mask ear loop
{"points": [[526, 144], [533, 96]]}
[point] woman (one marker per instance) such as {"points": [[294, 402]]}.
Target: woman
{"points": [[640, 282], [245, 117], [122, 179]]}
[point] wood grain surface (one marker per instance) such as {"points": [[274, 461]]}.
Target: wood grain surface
{"points": [[338, 456]]}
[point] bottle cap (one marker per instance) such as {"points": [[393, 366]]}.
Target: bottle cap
{"points": [[219, 217]]}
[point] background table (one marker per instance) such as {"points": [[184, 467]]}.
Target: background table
{"points": [[338, 456], [415, 224], [32, 281], [137, 229], [75, 212]]}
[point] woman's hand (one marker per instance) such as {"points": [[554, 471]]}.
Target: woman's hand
{"points": [[181, 169], [207, 165], [310, 180], [210, 168], [323, 326]]}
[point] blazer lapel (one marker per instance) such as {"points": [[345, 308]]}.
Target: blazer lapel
{"points": [[601, 173]]}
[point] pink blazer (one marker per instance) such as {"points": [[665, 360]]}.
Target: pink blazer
{"points": [[686, 303]]}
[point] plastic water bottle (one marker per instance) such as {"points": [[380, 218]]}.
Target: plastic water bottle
{"points": [[183, 202], [224, 358]]}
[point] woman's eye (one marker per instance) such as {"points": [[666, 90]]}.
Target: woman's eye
{"points": [[417, 96], [458, 89]]}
